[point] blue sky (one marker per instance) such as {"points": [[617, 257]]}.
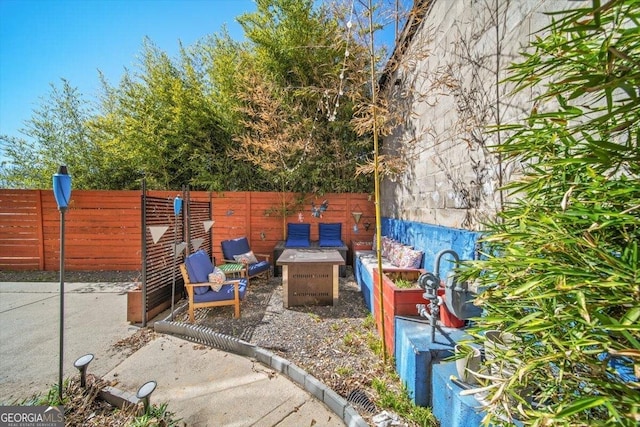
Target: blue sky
{"points": [[42, 41]]}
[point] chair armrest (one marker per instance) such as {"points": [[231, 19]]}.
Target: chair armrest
{"points": [[234, 282], [265, 256], [189, 287], [233, 261], [194, 285]]}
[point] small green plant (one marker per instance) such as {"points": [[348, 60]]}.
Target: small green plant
{"points": [[37, 399], [52, 397], [369, 322], [405, 284], [374, 342], [399, 402], [344, 371], [351, 340], [158, 415], [315, 317]]}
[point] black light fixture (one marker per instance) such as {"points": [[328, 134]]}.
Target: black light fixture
{"points": [[144, 394], [81, 363], [62, 193]]}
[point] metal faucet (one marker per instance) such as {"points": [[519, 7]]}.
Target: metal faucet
{"points": [[457, 297], [430, 282], [436, 264]]}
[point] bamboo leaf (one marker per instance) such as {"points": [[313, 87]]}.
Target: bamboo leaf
{"points": [[580, 405]]}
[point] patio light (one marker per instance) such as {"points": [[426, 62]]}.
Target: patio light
{"points": [[144, 394], [81, 363], [62, 193], [177, 207]]}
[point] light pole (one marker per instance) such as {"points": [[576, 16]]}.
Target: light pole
{"points": [[62, 193], [177, 207]]}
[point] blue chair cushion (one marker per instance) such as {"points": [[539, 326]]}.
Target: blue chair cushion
{"points": [[330, 234], [298, 235], [198, 267], [297, 243], [233, 247], [259, 268], [225, 293], [331, 243]]}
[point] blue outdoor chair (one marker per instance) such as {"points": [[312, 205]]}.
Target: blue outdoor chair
{"points": [[195, 272], [298, 235], [330, 234], [238, 251]]}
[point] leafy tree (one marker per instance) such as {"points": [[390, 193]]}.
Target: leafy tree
{"points": [[161, 117], [223, 62], [184, 120], [298, 61], [561, 269], [55, 134]]}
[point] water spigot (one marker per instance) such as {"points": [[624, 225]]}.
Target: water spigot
{"points": [[430, 283]]}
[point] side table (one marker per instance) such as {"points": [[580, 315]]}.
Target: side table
{"points": [[233, 269], [315, 245], [310, 276]]}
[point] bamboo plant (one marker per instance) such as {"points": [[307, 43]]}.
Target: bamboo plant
{"points": [[560, 262]]}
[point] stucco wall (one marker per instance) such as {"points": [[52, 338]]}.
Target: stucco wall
{"points": [[446, 89]]}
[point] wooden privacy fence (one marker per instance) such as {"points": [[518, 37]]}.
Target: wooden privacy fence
{"points": [[103, 229]]}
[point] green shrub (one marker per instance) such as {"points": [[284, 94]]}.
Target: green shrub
{"points": [[561, 262]]}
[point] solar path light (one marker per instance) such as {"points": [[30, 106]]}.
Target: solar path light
{"points": [[81, 363], [144, 394]]}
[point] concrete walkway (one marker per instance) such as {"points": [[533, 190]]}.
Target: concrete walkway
{"points": [[94, 320], [203, 386]]}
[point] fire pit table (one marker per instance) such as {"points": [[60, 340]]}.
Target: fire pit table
{"points": [[310, 276]]}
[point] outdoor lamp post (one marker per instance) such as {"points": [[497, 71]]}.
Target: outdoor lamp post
{"points": [[62, 193], [177, 207]]}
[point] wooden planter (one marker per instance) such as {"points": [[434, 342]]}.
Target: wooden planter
{"points": [[403, 301], [396, 301], [134, 306]]}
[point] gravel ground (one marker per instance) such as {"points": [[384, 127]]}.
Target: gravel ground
{"points": [[336, 344]]}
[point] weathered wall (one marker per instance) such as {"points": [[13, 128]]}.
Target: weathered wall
{"points": [[446, 86]]}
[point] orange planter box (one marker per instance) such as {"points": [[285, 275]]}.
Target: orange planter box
{"points": [[396, 301], [402, 302]]}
